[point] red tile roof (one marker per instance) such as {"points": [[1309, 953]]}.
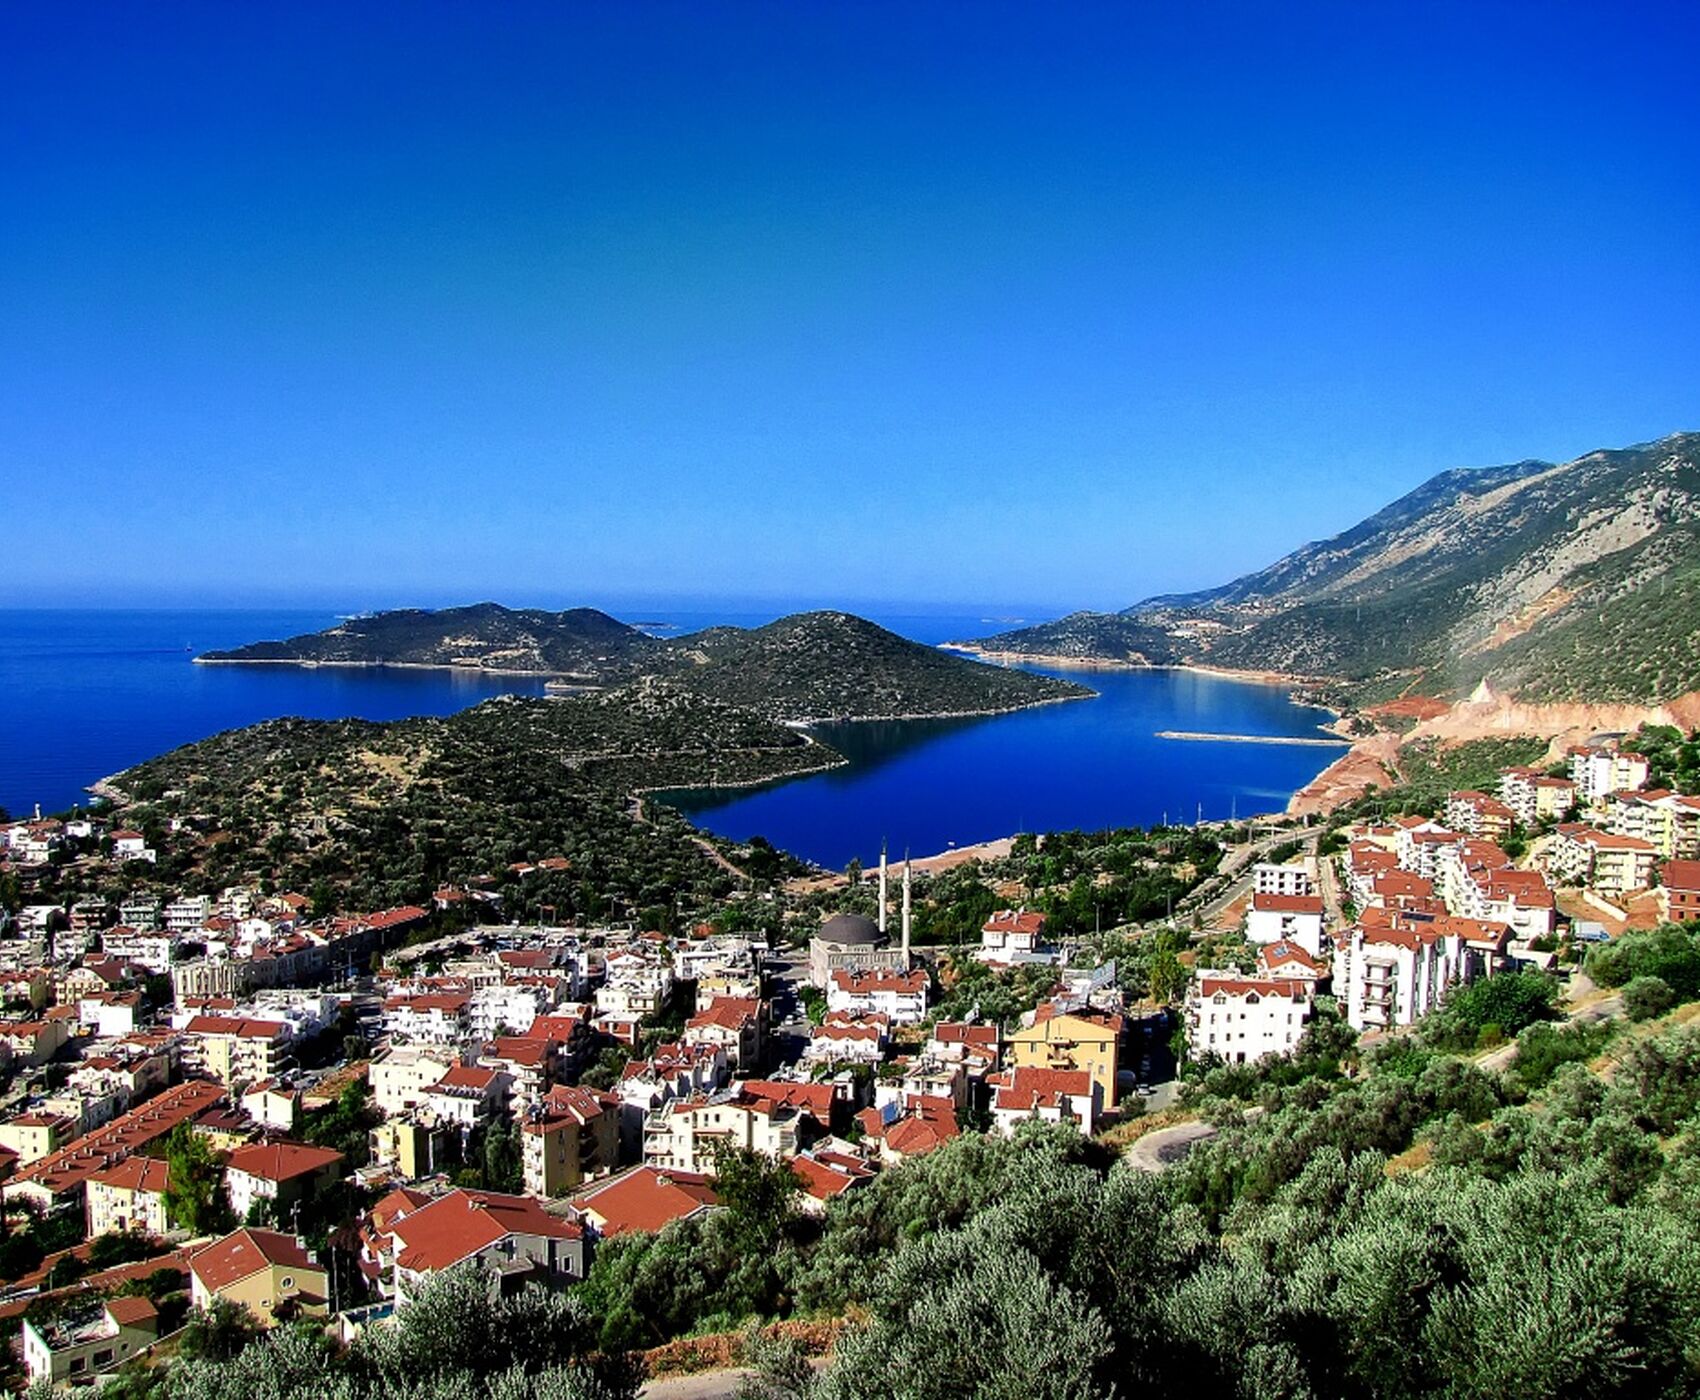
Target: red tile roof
{"points": [[136, 1173], [644, 1200], [1287, 903], [1681, 875], [243, 1253], [74, 1163], [281, 1161], [460, 1224], [1015, 921], [815, 1099]]}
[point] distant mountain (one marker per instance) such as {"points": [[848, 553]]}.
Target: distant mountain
{"points": [[484, 636], [809, 666], [1573, 581]]}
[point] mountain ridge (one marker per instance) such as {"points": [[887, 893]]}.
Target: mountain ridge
{"points": [[1556, 581]]}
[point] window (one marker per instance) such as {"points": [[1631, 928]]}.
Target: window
{"points": [[286, 1282]]}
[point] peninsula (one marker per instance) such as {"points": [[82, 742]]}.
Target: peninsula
{"points": [[807, 667]]}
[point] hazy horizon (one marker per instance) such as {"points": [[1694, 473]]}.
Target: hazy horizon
{"points": [[1017, 309]]}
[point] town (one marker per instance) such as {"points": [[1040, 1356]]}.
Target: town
{"points": [[239, 1102]]}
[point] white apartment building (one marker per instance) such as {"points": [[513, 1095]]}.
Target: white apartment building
{"points": [[684, 1135], [1246, 1019], [1293, 918], [1599, 772], [1015, 936], [149, 948], [1583, 855], [188, 914], [400, 1076], [1534, 797], [899, 996], [441, 1018], [1294, 878], [1394, 976], [506, 1009]]}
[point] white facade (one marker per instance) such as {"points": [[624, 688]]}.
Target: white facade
{"points": [[1294, 878], [1598, 773], [1246, 1019], [900, 996], [1274, 918], [1387, 977]]}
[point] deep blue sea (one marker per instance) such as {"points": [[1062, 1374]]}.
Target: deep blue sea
{"points": [[84, 694]]}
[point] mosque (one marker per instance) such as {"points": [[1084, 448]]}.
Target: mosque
{"points": [[852, 943]]}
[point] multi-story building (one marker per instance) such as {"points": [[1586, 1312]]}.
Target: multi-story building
{"points": [[1293, 918], [1294, 878], [1394, 971], [566, 1137], [268, 1273], [901, 997], [400, 1076], [1014, 936], [87, 1339], [1667, 821], [1584, 855], [736, 1024], [686, 1133], [1072, 1039], [1479, 815], [188, 914], [284, 1173], [439, 1018], [236, 1050], [1045, 1095], [1598, 772], [1679, 891], [1246, 1019], [1536, 797], [514, 1235]]}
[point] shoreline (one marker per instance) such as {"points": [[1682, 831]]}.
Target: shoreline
{"points": [[1102, 663], [305, 664], [1293, 739]]}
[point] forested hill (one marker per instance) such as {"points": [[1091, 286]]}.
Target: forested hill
{"points": [[1576, 581], [484, 636], [381, 814], [809, 666], [832, 665]]}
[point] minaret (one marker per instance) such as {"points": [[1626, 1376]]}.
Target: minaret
{"points": [[882, 887], [906, 913]]}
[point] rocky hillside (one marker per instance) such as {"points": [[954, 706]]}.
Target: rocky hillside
{"points": [[817, 665], [1558, 582]]}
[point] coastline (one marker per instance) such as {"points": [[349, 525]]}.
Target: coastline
{"points": [[1097, 663], [306, 664]]}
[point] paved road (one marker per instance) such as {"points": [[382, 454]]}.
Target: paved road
{"points": [[1236, 870], [705, 1385], [1163, 1147]]}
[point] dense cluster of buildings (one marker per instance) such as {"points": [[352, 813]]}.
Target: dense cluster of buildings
{"points": [[610, 1068], [242, 1018]]}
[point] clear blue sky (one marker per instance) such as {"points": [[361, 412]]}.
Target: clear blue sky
{"points": [[1043, 307]]}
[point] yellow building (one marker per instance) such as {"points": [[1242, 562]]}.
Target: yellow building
{"points": [[1077, 1040], [36, 1135], [570, 1134], [262, 1270]]}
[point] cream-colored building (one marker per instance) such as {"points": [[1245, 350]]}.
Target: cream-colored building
{"points": [[128, 1196], [261, 1270], [400, 1077], [569, 1135]]}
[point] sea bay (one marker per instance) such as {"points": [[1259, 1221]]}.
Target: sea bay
{"points": [[84, 694]]}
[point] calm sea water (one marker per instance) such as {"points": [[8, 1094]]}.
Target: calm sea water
{"points": [[84, 694], [925, 785]]}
